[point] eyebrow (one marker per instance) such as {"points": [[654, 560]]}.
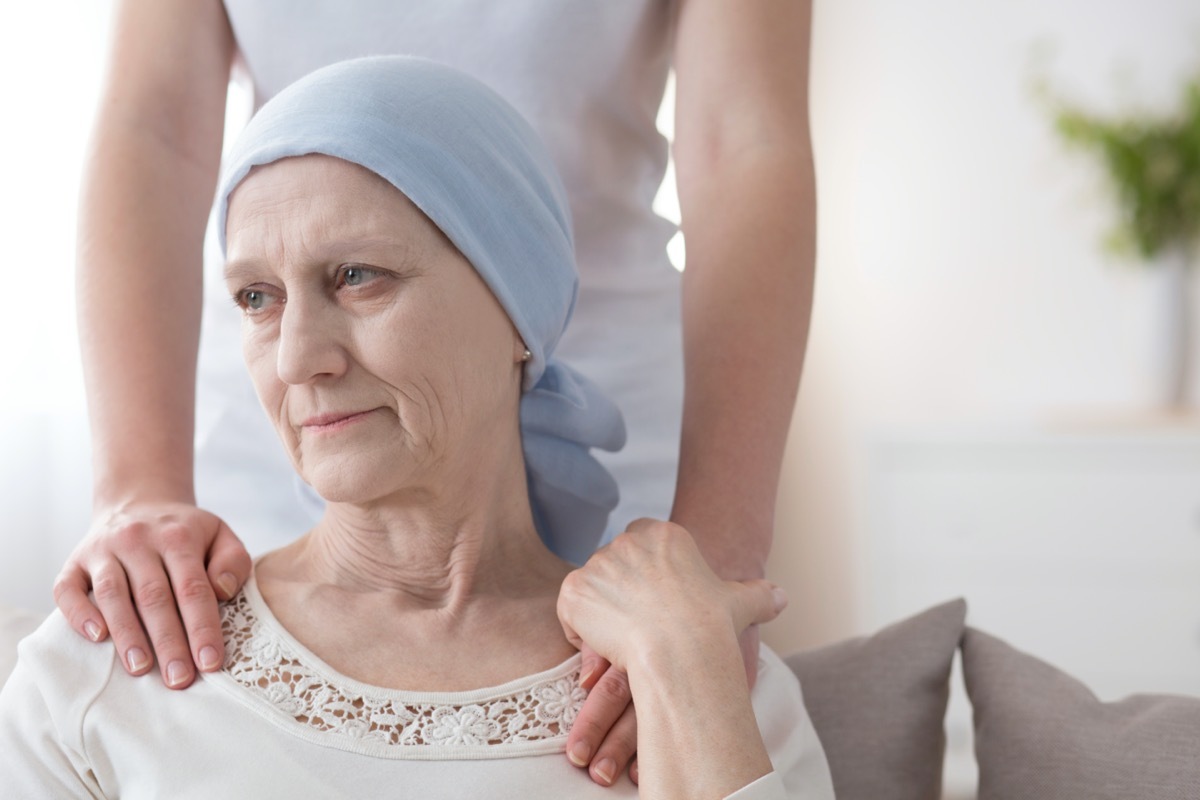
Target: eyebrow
{"points": [[330, 250]]}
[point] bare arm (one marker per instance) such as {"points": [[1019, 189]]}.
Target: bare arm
{"points": [[746, 187], [147, 187], [748, 203]]}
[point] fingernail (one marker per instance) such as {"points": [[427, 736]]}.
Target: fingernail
{"points": [[92, 630], [208, 658], [580, 754], [135, 657], [177, 673], [228, 584], [606, 769], [588, 671], [780, 597]]}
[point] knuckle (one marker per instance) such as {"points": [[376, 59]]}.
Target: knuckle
{"points": [[590, 727], [108, 588], [195, 589], [621, 742], [613, 688], [169, 645], [673, 530], [205, 632], [572, 585], [125, 629], [130, 536], [154, 595], [238, 560], [178, 540], [641, 524], [66, 588], [618, 551]]}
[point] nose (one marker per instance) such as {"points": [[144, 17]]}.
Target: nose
{"points": [[311, 342]]}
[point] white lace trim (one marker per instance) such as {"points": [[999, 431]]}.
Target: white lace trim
{"points": [[277, 671]]}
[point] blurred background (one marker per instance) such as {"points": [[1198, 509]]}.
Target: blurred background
{"points": [[984, 408]]}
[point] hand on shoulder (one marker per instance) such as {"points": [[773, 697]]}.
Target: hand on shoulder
{"points": [[156, 570]]}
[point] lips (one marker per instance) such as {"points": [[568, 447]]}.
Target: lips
{"points": [[333, 419]]}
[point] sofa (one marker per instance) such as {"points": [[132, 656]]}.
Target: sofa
{"points": [[878, 704]]}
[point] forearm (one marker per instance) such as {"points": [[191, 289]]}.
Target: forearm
{"points": [[749, 222], [697, 735], [138, 288], [147, 186]]}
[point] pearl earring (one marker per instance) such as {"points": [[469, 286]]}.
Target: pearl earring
{"points": [[526, 355]]}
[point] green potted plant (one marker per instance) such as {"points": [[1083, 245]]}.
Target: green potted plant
{"points": [[1152, 165]]}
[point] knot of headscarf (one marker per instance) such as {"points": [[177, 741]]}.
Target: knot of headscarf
{"points": [[476, 168]]}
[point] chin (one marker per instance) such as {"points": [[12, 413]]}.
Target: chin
{"points": [[354, 481]]}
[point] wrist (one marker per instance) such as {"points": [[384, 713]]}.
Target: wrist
{"points": [[737, 557], [700, 652], [115, 492], [697, 734], [734, 538]]}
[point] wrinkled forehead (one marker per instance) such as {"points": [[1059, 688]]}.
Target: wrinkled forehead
{"points": [[322, 203], [313, 179]]}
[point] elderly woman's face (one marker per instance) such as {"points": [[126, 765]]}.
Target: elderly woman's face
{"points": [[381, 356]]}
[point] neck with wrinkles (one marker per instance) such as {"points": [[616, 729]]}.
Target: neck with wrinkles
{"points": [[445, 547]]}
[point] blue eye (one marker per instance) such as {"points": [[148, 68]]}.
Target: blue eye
{"points": [[252, 301], [355, 275]]}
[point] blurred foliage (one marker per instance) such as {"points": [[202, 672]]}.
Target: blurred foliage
{"points": [[1153, 164]]}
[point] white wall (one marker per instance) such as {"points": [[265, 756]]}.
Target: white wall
{"points": [[50, 57], [959, 274], [959, 278]]}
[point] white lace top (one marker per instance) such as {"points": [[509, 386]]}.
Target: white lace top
{"points": [[279, 722], [269, 670]]}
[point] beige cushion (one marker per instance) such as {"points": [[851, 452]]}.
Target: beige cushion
{"points": [[15, 625], [879, 704], [1039, 733]]}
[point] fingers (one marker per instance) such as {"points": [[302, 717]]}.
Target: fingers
{"points": [[594, 665], [616, 750], [197, 607], [152, 592], [228, 563], [110, 586], [755, 602], [604, 736], [71, 597]]}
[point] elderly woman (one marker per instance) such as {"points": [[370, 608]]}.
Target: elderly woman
{"points": [[398, 243]]}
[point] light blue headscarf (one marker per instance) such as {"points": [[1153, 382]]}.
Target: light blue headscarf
{"points": [[476, 168]]}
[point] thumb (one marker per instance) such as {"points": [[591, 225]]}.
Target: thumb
{"points": [[228, 562], [756, 602]]}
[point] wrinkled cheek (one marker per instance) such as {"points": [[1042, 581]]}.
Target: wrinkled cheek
{"points": [[426, 413], [272, 392]]}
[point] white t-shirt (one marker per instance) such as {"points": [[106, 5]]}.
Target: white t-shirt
{"points": [[279, 722], [589, 77]]}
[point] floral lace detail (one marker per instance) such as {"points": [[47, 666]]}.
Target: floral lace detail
{"points": [[258, 659]]}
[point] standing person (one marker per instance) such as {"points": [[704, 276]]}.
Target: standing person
{"points": [[704, 451]]}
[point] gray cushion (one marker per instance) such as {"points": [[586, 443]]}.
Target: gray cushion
{"points": [[1039, 733], [879, 704]]}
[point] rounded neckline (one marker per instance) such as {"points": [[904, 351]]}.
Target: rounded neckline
{"points": [[258, 605]]}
